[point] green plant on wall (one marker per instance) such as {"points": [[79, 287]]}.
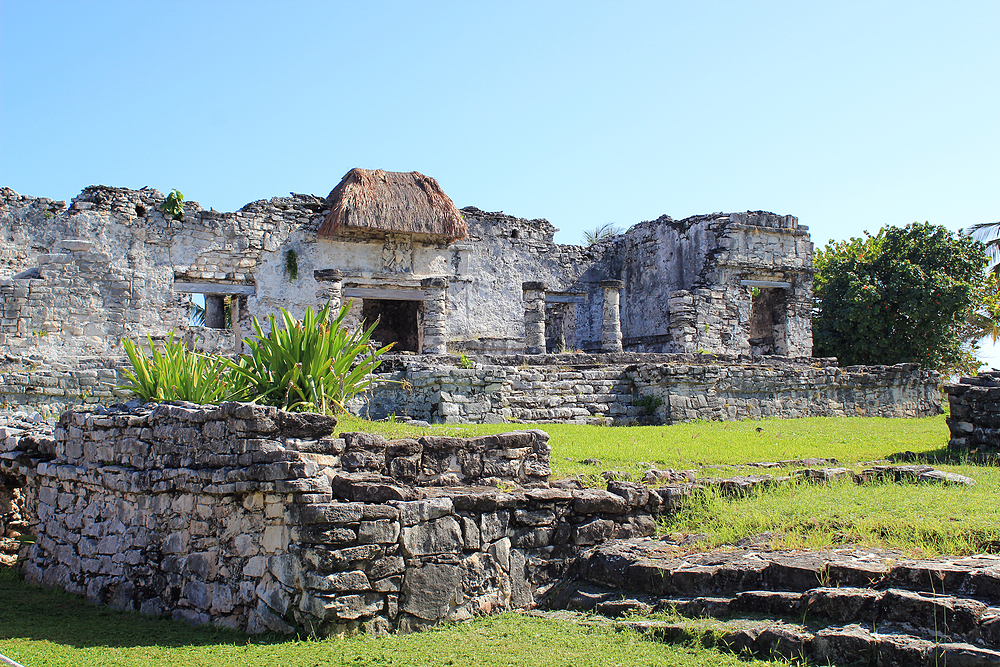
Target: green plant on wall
{"points": [[649, 404], [174, 204], [291, 265]]}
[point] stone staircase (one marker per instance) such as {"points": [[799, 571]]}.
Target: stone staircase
{"points": [[840, 607]]}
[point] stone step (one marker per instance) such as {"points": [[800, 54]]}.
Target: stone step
{"points": [[664, 570], [853, 644], [927, 614], [835, 606]]}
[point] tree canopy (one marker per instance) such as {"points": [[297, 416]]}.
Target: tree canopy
{"points": [[902, 295]]}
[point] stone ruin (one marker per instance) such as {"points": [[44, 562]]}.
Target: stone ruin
{"points": [[974, 419], [248, 517], [702, 318]]}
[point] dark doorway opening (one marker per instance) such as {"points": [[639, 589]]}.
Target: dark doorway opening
{"points": [[767, 319], [398, 322]]}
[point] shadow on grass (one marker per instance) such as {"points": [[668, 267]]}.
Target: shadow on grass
{"points": [[35, 613]]}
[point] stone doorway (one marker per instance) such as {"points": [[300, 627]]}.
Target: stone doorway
{"points": [[767, 320], [398, 322]]}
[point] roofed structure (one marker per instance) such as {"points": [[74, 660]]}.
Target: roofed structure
{"points": [[390, 201]]}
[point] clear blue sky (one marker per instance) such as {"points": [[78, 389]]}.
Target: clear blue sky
{"points": [[848, 115]]}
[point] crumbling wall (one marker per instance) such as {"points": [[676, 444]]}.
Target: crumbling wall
{"points": [[974, 419], [696, 267], [248, 517], [653, 388], [270, 250]]}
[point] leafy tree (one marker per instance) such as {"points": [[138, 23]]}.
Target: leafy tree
{"points": [[984, 319], [902, 295]]}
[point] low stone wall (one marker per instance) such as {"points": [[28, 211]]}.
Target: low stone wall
{"points": [[573, 388], [657, 388], [252, 518], [29, 381], [974, 421]]}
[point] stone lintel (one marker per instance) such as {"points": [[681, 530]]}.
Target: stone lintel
{"points": [[214, 288]]}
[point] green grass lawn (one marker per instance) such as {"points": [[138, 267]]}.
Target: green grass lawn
{"points": [[924, 519], [681, 446], [41, 628]]}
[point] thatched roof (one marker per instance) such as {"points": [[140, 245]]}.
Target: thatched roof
{"points": [[390, 201]]}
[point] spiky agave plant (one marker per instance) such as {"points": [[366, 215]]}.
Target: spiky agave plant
{"points": [[313, 364], [175, 373]]}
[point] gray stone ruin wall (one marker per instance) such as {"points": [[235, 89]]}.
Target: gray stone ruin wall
{"points": [[682, 280], [248, 517], [620, 389], [693, 271], [974, 420]]}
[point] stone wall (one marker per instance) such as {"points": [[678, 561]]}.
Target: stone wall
{"points": [[52, 388], [697, 267], [112, 264], [252, 518], [607, 389], [974, 419]]}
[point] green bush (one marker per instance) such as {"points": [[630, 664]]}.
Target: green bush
{"points": [[315, 364], [176, 374], [902, 295]]}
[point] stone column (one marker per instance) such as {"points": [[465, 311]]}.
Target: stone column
{"points": [[435, 333], [331, 283], [215, 311], [234, 310], [534, 317], [611, 326]]}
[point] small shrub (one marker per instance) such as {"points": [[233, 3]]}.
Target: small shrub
{"points": [[648, 403], [174, 204], [464, 361]]}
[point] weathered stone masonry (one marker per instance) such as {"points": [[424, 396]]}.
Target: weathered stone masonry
{"points": [[76, 279], [248, 517], [974, 419], [606, 389]]}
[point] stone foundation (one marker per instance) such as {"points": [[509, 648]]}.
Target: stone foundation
{"points": [[975, 414]]}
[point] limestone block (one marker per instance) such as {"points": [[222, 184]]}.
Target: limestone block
{"points": [[420, 511], [430, 589], [433, 537]]}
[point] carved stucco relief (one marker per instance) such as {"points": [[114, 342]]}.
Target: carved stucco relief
{"points": [[397, 254]]}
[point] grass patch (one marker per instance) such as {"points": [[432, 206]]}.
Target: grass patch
{"points": [[48, 628], [851, 440], [924, 519]]}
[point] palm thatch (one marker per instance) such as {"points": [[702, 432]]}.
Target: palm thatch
{"points": [[389, 201]]}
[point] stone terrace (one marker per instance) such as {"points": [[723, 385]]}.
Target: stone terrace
{"points": [[248, 517]]}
